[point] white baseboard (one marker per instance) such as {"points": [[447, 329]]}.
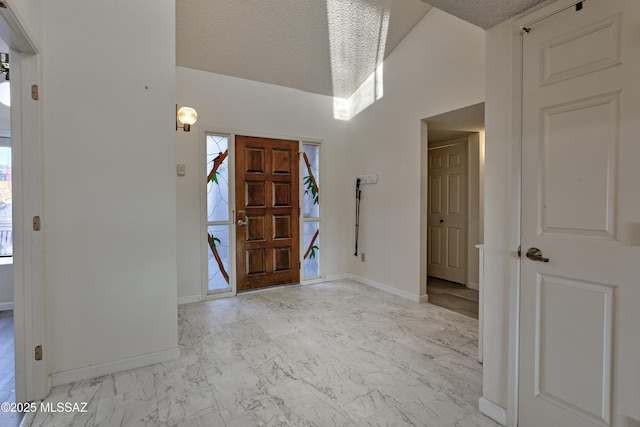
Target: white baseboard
{"points": [[81, 374], [387, 288], [330, 278], [189, 300], [472, 285], [4, 306], [493, 411]]}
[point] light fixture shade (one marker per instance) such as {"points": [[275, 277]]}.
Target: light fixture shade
{"points": [[187, 116], [5, 93]]}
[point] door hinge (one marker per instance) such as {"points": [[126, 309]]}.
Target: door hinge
{"points": [[298, 264], [36, 223], [34, 92], [38, 352], [519, 251]]}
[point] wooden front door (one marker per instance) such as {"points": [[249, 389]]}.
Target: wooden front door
{"points": [[267, 222]]}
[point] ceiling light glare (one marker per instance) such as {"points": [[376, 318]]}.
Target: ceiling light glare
{"points": [[357, 40]]}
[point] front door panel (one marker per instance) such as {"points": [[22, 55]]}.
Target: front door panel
{"points": [[267, 221]]}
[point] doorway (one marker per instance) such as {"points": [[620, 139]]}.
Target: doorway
{"points": [[452, 199], [7, 345], [30, 381], [447, 234]]}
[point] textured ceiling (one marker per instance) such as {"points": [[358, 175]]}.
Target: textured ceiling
{"points": [[321, 46], [484, 13]]}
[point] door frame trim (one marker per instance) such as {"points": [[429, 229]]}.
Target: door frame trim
{"points": [[231, 133], [322, 271], [31, 377], [202, 172]]}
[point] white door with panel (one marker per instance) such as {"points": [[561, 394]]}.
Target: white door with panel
{"points": [[580, 272], [447, 217]]}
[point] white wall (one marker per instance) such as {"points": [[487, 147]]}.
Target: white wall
{"points": [[237, 105], [109, 184], [501, 214], [437, 68]]}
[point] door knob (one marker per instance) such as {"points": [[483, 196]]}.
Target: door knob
{"points": [[536, 255], [441, 221], [241, 222]]}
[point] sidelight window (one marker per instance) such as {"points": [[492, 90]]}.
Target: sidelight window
{"points": [[310, 172], [218, 218]]}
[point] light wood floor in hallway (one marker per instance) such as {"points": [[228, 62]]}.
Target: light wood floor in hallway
{"points": [[453, 296], [330, 354]]}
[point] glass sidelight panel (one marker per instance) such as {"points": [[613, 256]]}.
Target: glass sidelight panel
{"points": [[310, 177], [312, 249], [218, 257], [310, 167], [218, 215], [217, 178]]}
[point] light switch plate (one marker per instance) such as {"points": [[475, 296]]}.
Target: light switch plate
{"points": [[368, 179], [182, 169]]}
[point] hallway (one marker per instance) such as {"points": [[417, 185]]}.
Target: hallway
{"points": [[453, 296]]}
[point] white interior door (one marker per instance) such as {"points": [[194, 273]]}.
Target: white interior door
{"points": [[580, 311], [447, 218]]}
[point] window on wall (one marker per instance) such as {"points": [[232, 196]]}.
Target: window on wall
{"points": [[6, 235], [310, 167], [218, 215]]}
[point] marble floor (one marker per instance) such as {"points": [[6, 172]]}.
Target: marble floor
{"points": [[331, 354], [453, 296]]}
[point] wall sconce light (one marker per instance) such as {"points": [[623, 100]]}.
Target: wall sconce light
{"points": [[186, 116]]}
